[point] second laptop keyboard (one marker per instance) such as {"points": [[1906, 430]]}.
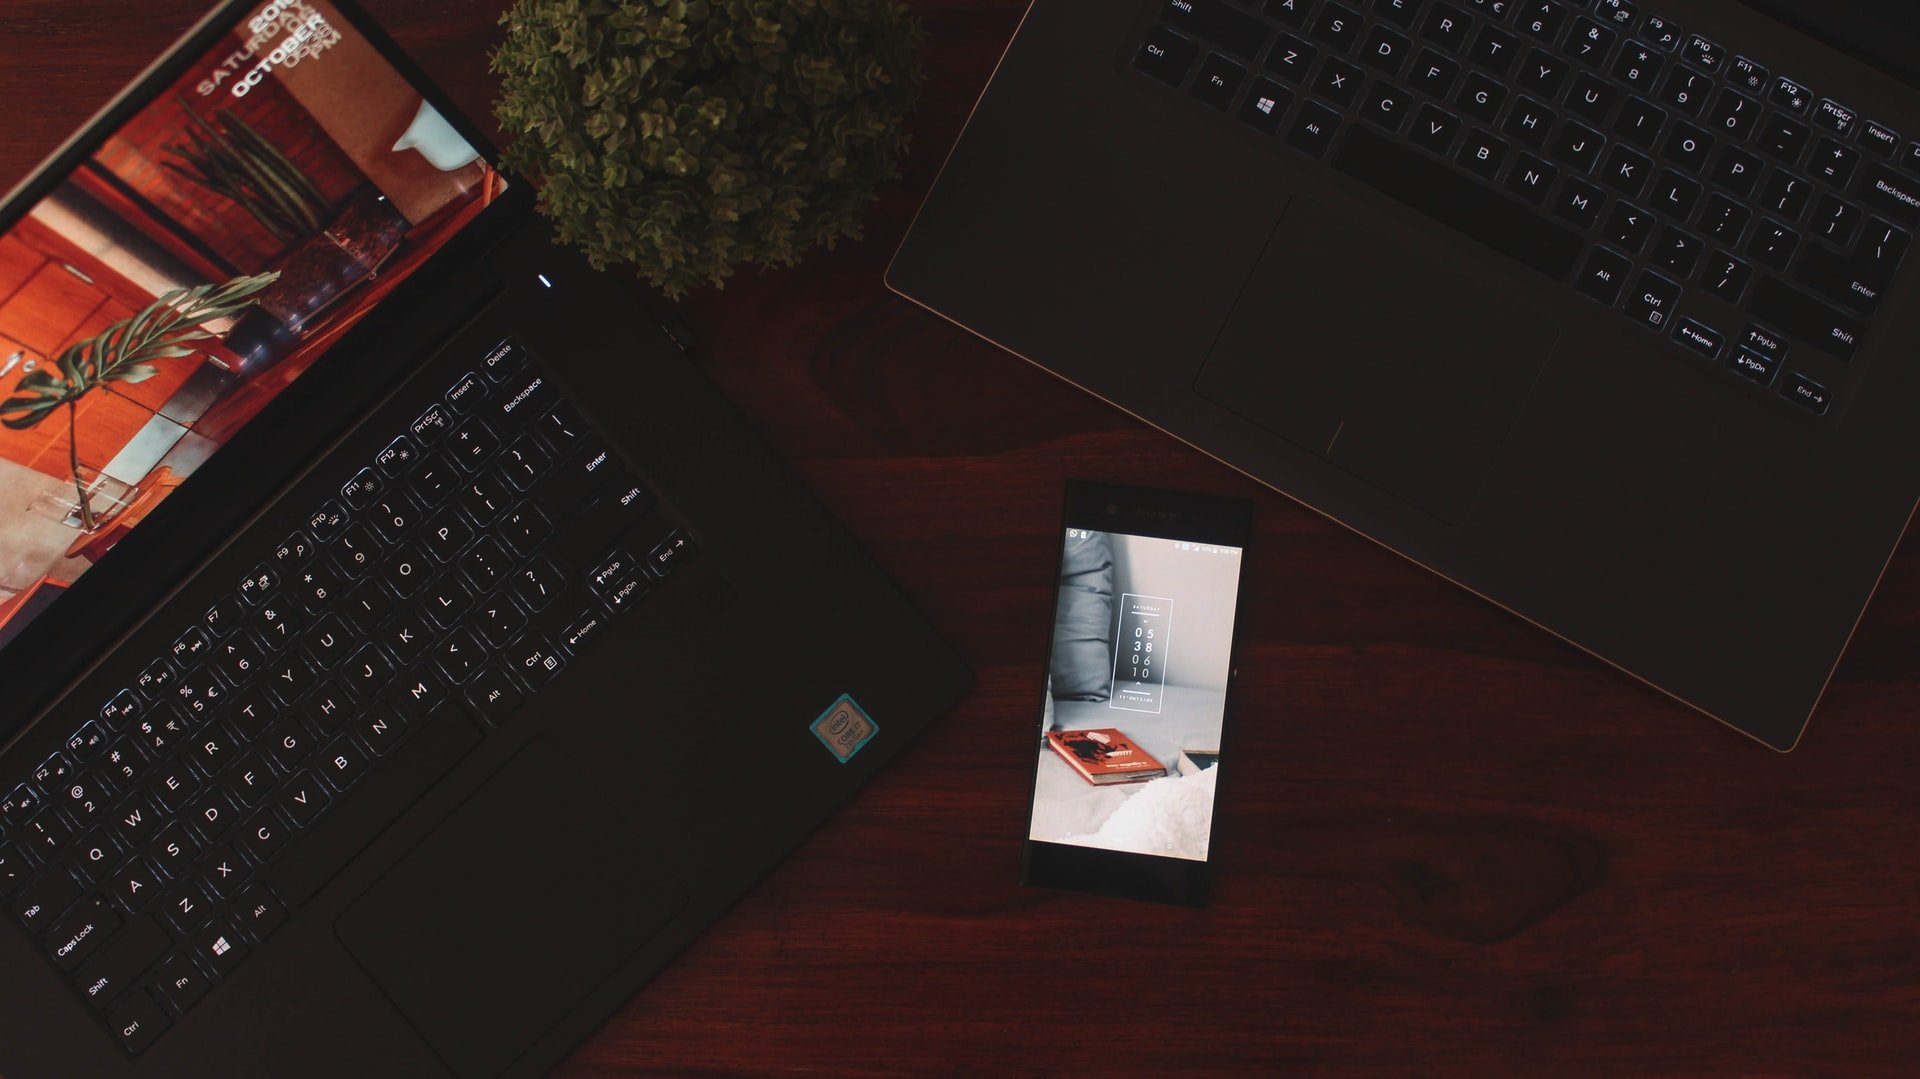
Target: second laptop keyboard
{"points": [[1704, 196]]}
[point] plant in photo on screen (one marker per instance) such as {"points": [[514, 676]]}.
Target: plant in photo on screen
{"points": [[234, 161], [685, 137], [124, 352]]}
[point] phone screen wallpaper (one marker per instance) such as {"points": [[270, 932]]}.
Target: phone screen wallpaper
{"points": [[1136, 694]]}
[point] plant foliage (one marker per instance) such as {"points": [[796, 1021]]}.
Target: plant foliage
{"points": [[125, 351], [688, 136], [242, 165]]}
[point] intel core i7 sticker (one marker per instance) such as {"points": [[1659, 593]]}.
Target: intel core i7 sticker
{"points": [[844, 727]]}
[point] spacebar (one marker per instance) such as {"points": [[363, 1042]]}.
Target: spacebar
{"points": [[1459, 201], [313, 858]]}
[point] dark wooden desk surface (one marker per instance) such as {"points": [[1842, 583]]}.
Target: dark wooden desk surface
{"points": [[1469, 847]]}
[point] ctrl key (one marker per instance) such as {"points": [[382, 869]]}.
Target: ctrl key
{"points": [[1805, 392], [1166, 56], [138, 1022]]}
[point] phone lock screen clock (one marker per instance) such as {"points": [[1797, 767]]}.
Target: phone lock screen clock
{"points": [[1128, 757]]}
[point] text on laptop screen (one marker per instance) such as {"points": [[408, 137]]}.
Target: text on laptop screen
{"points": [[194, 265]]}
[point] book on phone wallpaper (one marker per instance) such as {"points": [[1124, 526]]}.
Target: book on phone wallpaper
{"points": [[1105, 756]]}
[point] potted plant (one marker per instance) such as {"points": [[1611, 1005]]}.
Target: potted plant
{"points": [[327, 252], [124, 352], [684, 137], [236, 162]]}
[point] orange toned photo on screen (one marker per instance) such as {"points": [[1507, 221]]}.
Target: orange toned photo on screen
{"points": [[194, 265]]}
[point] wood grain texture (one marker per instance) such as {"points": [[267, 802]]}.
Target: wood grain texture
{"points": [[1456, 845]]}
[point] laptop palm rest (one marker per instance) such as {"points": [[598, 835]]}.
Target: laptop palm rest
{"points": [[516, 907], [1379, 358]]}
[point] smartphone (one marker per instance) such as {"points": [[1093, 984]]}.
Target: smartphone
{"points": [[1133, 709]]}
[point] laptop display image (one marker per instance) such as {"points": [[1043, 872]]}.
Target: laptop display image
{"points": [[195, 265]]}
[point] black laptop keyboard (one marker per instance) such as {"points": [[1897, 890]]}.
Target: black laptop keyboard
{"points": [[1708, 197], [441, 580]]}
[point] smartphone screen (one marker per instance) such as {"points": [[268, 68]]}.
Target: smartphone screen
{"points": [[1135, 701]]}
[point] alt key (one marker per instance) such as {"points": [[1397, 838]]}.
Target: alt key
{"points": [[1313, 129]]}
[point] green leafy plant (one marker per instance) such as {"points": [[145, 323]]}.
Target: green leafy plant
{"points": [[125, 351], [688, 136], [240, 164]]}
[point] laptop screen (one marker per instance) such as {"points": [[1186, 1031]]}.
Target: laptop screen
{"points": [[193, 266]]}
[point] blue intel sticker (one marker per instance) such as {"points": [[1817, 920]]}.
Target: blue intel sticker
{"points": [[844, 727]]}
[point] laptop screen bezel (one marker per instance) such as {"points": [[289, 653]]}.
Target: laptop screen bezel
{"points": [[1851, 30], [78, 631]]}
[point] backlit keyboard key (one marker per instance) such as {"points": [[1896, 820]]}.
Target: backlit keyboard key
{"points": [[1217, 82], [1214, 21], [1166, 56], [1806, 393], [1834, 117], [1652, 301], [1804, 317], [137, 1023], [467, 393], [1698, 337], [1266, 103]]}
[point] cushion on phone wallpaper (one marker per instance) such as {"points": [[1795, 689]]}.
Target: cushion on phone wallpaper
{"points": [[1082, 668]]}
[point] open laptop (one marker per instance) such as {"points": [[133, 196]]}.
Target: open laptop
{"points": [[406, 654], [1601, 310]]}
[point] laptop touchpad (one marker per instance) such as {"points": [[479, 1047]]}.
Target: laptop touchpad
{"points": [[1392, 364], [500, 921]]}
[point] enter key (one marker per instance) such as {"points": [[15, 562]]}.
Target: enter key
{"points": [[1849, 280]]}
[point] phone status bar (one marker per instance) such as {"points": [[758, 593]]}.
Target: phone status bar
{"points": [[1179, 545]]}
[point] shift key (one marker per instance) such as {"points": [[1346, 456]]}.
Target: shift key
{"points": [[1234, 31], [1804, 317], [1844, 279], [142, 944]]}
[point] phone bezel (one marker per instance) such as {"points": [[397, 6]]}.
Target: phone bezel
{"points": [[1134, 511]]}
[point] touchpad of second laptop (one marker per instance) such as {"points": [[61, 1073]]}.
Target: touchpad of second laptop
{"points": [[501, 920], [1400, 368]]}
